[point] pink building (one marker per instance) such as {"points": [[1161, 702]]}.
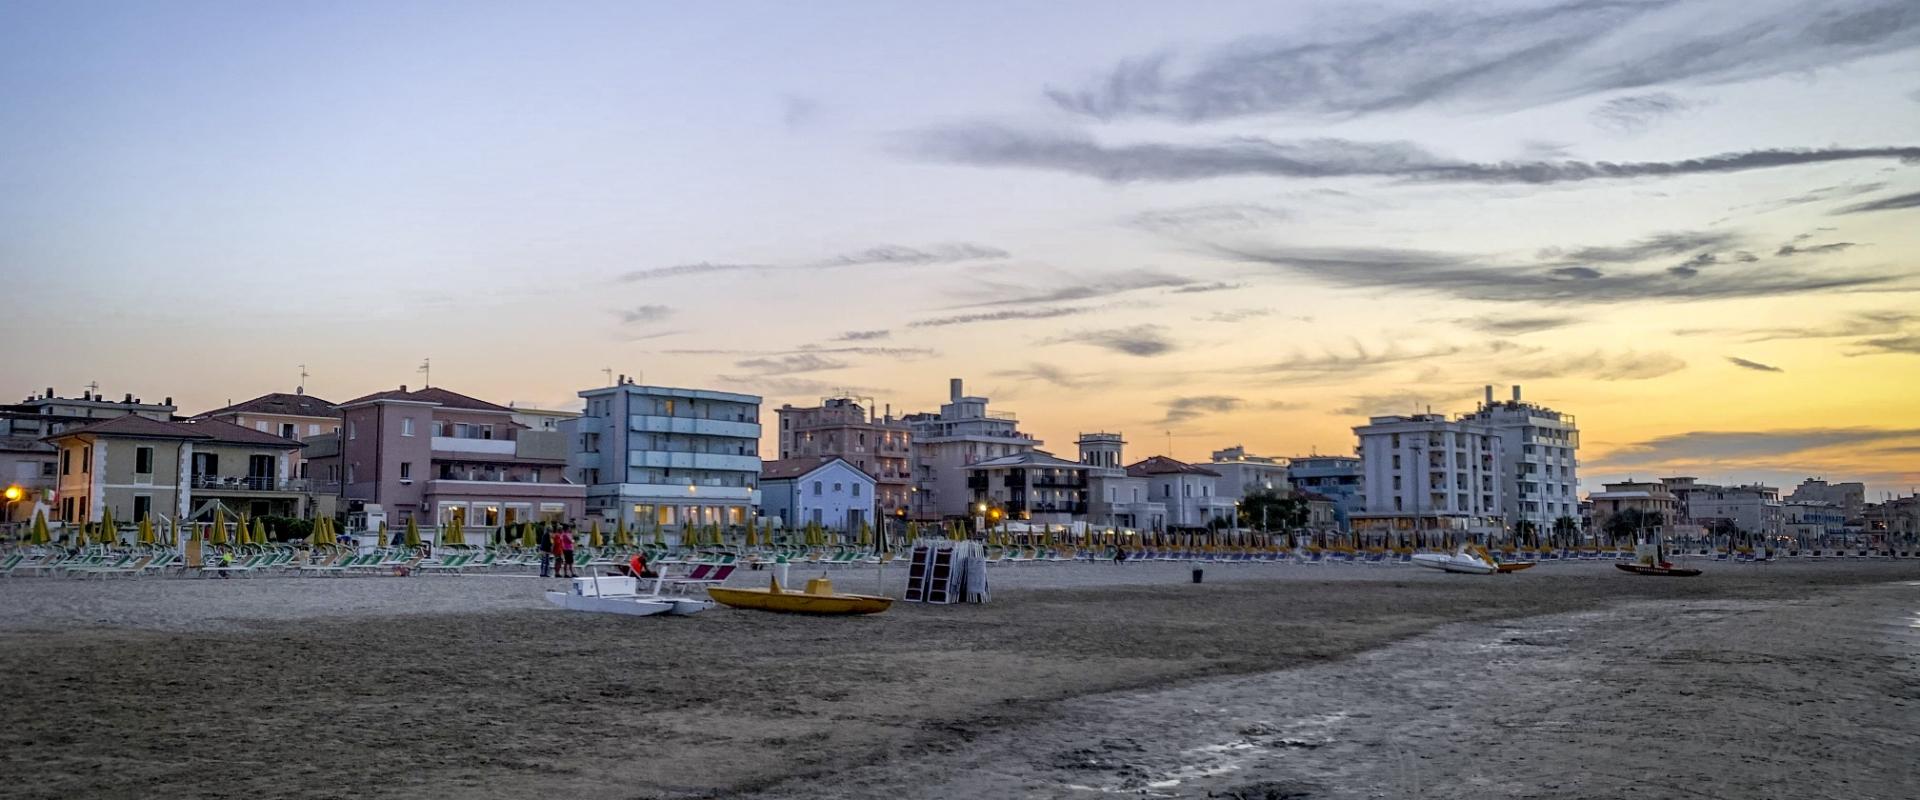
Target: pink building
{"points": [[436, 455]]}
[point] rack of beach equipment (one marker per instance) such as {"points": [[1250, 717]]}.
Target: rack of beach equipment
{"points": [[945, 572]]}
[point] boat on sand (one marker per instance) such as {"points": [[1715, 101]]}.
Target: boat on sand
{"points": [[1460, 561], [620, 594], [819, 598], [1664, 568]]}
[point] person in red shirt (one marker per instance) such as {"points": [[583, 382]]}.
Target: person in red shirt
{"points": [[563, 553]]}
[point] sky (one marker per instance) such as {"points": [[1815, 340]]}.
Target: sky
{"points": [[1692, 225]]}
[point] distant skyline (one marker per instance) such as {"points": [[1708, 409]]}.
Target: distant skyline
{"points": [[1691, 224]]}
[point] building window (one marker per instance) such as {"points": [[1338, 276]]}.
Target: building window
{"points": [[406, 470], [46, 469], [66, 461], [406, 426], [353, 429], [289, 430], [313, 429], [856, 490], [143, 461], [142, 506], [350, 473], [86, 460], [260, 425], [816, 488]]}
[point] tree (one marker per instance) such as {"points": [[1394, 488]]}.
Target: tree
{"points": [[1565, 527], [1525, 531], [1624, 524], [1272, 510]]}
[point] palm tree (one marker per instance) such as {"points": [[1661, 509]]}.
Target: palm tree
{"points": [[1625, 523], [1565, 528]]}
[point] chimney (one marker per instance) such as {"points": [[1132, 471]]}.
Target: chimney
{"points": [[169, 401], [403, 387], [129, 399], [1516, 393], [953, 389], [49, 393], [1489, 394]]}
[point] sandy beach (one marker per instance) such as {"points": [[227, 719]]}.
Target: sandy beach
{"points": [[1788, 680]]}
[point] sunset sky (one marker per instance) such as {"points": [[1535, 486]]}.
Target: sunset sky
{"points": [[1693, 225]]}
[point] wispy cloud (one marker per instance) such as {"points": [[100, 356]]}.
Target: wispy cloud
{"points": [[1817, 249], [1499, 59], [679, 270], [1480, 278], [1089, 287], [862, 336], [1635, 113], [644, 314], [1402, 402], [1217, 217], [1894, 203], [1007, 315], [1201, 288], [1501, 325], [1624, 366], [1738, 446], [1236, 315], [1139, 340], [1359, 359], [883, 254], [790, 365], [1186, 409], [915, 256], [1665, 244], [1908, 344], [1753, 365], [1045, 373], [1863, 323], [1080, 154]]}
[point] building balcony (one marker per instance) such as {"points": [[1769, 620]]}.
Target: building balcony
{"points": [[660, 459], [1060, 482], [693, 426], [679, 493], [216, 484]]}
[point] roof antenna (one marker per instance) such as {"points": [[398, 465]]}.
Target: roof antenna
{"points": [[609, 371], [426, 370], [302, 388]]}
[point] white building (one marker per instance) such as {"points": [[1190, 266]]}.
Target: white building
{"points": [[944, 444], [1115, 499], [1848, 497], [1753, 508], [1426, 472], [829, 492], [1540, 451], [1189, 492], [1242, 473], [1810, 519], [542, 419], [655, 454], [1034, 486]]}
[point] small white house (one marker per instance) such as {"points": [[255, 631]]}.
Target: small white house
{"points": [[824, 490]]}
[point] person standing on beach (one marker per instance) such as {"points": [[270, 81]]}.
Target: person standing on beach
{"points": [[543, 540], [563, 551]]}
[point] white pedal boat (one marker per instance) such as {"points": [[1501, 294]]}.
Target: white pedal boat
{"points": [[619, 594], [1461, 561]]}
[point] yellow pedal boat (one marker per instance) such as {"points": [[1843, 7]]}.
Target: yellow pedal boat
{"points": [[819, 598]]}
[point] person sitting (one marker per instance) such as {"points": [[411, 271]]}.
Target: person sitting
{"points": [[637, 567]]}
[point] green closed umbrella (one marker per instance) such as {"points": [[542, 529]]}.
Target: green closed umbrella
{"points": [[413, 532], [40, 533]]}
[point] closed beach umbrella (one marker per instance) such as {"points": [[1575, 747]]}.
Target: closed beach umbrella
{"points": [[40, 533], [259, 531], [218, 535], [866, 535], [109, 533], [456, 531], [597, 540], [413, 532], [528, 537], [146, 530]]}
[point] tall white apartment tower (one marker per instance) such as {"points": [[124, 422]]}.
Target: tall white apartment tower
{"points": [[1428, 473], [1540, 448]]}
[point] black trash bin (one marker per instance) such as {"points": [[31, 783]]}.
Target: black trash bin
{"points": [[1196, 574]]}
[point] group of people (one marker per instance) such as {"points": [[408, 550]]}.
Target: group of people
{"points": [[556, 551]]}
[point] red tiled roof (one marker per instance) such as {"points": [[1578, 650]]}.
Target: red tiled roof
{"points": [[1162, 465], [133, 425], [297, 405], [432, 394], [229, 433]]}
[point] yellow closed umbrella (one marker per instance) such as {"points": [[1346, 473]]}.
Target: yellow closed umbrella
{"points": [[259, 531], [40, 533], [596, 539], [413, 532], [218, 535], [866, 535], [528, 538], [109, 532], [146, 530], [455, 531]]}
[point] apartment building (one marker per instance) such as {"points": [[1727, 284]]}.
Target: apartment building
{"points": [[668, 456], [846, 427], [1336, 478], [1032, 486], [1540, 453], [27, 459], [1753, 508], [1242, 473], [1646, 497], [141, 467], [1116, 499], [944, 444], [436, 456], [1189, 492], [296, 416], [1850, 497], [1426, 472]]}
